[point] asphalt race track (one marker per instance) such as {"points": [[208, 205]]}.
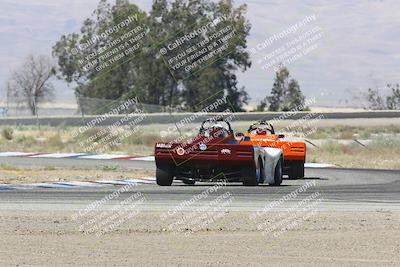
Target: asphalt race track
{"points": [[163, 118], [339, 189]]}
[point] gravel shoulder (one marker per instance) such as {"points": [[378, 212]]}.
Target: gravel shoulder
{"points": [[326, 239], [24, 175]]}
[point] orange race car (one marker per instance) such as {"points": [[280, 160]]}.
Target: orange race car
{"points": [[262, 134]]}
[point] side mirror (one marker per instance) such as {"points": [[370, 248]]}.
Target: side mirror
{"points": [[281, 136], [239, 134]]}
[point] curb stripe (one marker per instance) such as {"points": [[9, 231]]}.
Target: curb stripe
{"points": [[129, 157], [114, 182], [58, 155], [145, 158], [103, 156], [49, 185], [65, 184], [318, 165], [16, 154], [6, 187]]}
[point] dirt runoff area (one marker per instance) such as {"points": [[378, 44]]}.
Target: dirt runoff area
{"points": [[32, 238], [13, 175]]}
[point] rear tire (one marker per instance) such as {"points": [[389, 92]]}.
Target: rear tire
{"points": [[165, 176], [296, 170], [278, 173], [251, 177]]}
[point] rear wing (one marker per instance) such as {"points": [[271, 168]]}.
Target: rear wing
{"points": [[179, 153]]}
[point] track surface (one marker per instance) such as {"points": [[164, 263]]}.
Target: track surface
{"points": [[340, 189]]}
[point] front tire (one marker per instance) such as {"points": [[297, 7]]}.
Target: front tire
{"points": [[278, 173], [165, 176]]}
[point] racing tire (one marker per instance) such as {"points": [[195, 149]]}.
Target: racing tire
{"points": [[278, 173], [262, 172], [251, 177], [164, 177], [296, 170]]}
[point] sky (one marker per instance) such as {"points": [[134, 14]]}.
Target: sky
{"points": [[358, 45]]}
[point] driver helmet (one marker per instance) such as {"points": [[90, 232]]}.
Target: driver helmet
{"points": [[261, 132], [217, 130]]}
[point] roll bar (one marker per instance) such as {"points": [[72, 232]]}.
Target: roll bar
{"points": [[212, 120]]}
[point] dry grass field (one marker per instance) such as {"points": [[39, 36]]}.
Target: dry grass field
{"points": [[382, 151]]}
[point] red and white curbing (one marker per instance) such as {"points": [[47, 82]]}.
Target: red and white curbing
{"points": [[79, 184], [76, 155], [112, 157], [319, 165]]}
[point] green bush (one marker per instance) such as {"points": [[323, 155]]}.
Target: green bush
{"points": [[8, 133], [94, 134], [147, 139], [55, 141], [26, 140]]}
